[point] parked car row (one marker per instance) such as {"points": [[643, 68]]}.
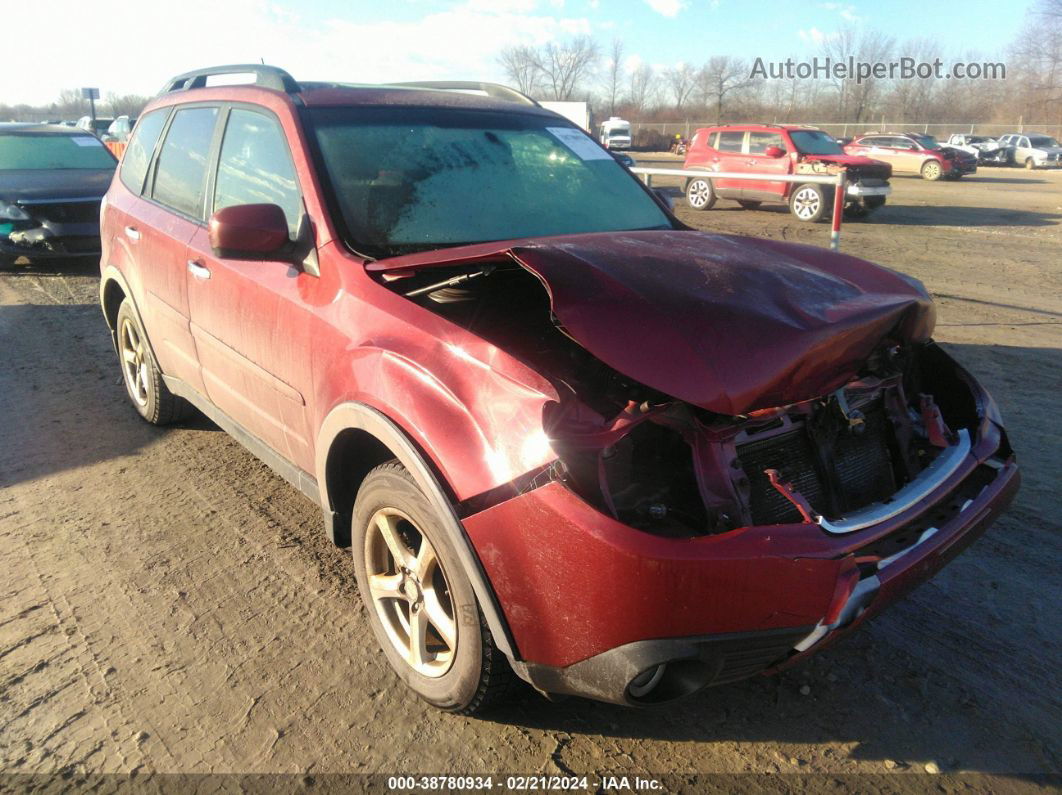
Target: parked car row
{"points": [[870, 159]]}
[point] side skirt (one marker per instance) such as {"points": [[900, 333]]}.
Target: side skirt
{"points": [[301, 480]]}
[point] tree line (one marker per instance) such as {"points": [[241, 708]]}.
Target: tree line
{"points": [[724, 88], [70, 106]]}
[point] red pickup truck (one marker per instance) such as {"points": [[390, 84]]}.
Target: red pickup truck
{"points": [[781, 149]]}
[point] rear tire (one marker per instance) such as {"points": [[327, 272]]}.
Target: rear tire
{"points": [[700, 194], [809, 203], [421, 604], [749, 204], [144, 386], [1029, 164]]}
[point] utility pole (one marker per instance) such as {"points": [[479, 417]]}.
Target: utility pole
{"points": [[91, 94]]}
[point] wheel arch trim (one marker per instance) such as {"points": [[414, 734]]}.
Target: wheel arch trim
{"points": [[359, 416], [111, 275]]}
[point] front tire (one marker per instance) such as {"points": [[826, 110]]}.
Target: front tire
{"points": [[1030, 164], [421, 604], [700, 194], [932, 171], [147, 391], [809, 203]]}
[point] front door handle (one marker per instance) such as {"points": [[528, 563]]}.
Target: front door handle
{"points": [[198, 269], [132, 233]]}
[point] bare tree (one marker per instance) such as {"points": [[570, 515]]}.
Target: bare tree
{"points": [[613, 80], [521, 65], [642, 88], [126, 104], [565, 66], [1038, 57], [681, 81], [719, 77]]}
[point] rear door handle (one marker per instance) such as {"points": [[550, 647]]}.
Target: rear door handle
{"points": [[132, 233], [198, 269]]}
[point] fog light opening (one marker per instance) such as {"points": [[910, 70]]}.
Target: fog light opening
{"points": [[645, 682], [669, 680]]}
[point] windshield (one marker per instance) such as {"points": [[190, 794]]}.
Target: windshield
{"points": [[978, 139], [409, 179], [815, 142], [45, 151], [1042, 141], [927, 141]]}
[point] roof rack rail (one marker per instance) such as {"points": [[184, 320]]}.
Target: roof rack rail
{"points": [[492, 90], [265, 76]]}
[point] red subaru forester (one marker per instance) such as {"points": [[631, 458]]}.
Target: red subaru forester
{"points": [[565, 435]]}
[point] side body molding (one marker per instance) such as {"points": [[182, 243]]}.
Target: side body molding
{"points": [[358, 416]]}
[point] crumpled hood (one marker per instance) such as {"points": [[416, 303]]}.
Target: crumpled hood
{"points": [[727, 323]]}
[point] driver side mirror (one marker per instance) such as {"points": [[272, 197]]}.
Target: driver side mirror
{"points": [[250, 231], [774, 151]]}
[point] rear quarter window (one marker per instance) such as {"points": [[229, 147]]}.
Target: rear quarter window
{"points": [[141, 146], [182, 161]]}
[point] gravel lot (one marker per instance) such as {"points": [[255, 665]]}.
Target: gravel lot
{"points": [[168, 604]]}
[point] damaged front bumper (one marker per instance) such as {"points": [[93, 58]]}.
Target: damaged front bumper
{"points": [[860, 190], [50, 240], [632, 618]]}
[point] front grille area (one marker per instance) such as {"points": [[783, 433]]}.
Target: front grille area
{"points": [[72, 212], [792, 455], [850, 473]]}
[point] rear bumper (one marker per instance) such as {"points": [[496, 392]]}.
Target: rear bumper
{"points": [[592, 603]]}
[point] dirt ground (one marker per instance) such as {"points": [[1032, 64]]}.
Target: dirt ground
{"points": [[168, 604]]}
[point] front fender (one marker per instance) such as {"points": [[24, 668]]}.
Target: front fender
{"points": [[479, 426]]}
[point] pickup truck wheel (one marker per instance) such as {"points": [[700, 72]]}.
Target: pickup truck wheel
{"points": [[809, 203], [147, 391], [931, 170], [420, 602], [1029, 164], [700, 195], [748, 204]]}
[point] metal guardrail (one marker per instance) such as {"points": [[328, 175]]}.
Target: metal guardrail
{"points": [[839, 182]]}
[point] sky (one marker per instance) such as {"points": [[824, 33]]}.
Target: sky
{"points": [[133, 46]]}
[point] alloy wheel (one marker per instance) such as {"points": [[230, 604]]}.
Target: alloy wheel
{"points": [[134, 363], [410, 593], [699, 193], [806, 203]]}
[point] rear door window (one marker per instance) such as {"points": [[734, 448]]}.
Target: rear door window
{"points": [[182, 162], [141, 146], [256, 168], [730, 141]]}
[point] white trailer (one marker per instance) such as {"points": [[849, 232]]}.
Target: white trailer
{"points": [[577, 112]]}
